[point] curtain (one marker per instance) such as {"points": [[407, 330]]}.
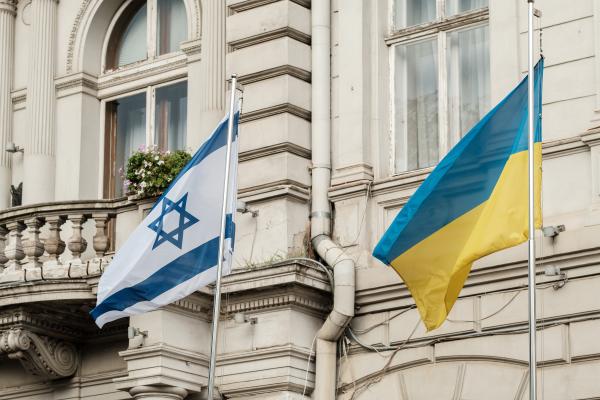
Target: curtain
{"points": [[459, 6], [416, 106], [171, 117], [413, 12], [468, 64], [131, 133], [172, 26]]}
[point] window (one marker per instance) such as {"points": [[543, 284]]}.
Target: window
{"points": [[153, 113], [145, 30], [154, 117], [440, 79]]}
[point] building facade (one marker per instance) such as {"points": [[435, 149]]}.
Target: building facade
{"points": [[347, 107]]}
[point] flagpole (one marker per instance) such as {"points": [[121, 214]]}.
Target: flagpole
{"points": [[531, 263], [217, 299]]}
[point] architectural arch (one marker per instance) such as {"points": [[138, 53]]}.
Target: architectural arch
{"points": [[93, 19]]}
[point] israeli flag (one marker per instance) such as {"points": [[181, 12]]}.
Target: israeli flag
{"points": [[174, 251]]}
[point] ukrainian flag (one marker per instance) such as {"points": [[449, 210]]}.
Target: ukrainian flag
{"points": [[474, 203]]}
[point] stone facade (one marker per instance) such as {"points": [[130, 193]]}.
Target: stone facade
{"points": [[54, 90]]}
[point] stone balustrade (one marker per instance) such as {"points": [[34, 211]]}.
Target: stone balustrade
{"points": [[58, 240]]}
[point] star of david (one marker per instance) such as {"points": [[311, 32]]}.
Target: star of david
{"points": [[175, 236]]}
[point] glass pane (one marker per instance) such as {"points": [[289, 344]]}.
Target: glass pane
{"points": [[172, 26], [459, 6], [132, 46], [413, 12], [171, 117], [131, 133], [416, 105], [468, 63]]}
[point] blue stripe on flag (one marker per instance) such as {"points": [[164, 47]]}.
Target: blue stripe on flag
{"points": [[217, 140], [172, 274]]}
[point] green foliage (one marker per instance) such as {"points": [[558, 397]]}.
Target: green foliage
{"points": [[149, 171]]}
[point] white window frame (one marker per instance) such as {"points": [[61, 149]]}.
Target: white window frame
{"points": [[144, 76], [151, 34], [439, 30]]}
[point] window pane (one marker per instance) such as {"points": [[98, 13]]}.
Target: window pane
{"points": [[172, 26], [171, 117], [468, 63], [131, 132], [132, 46], [413, 12], [459, 6], [416, 105]]}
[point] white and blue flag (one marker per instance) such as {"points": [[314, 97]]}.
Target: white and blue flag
{"points": [[175, 250]]}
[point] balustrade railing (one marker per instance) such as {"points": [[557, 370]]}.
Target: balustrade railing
{"points": [[51, 241]]}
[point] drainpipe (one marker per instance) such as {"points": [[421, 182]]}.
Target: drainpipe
{"points": [[334, 256]]}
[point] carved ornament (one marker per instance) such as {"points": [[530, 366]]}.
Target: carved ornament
{"points": [[40, 355]]}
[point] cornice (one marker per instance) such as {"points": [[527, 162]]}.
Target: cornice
{"points": [[139, 75], [285, 147], [290, 70], [591, 137], [286, 189], [250, 4], [391, 292], [9, 6], [16, 293], [275, 110], [270, 35], [250, 381], [76, 83], [550, 149]]}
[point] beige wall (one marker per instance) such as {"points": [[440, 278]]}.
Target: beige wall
{"points": [[481, 352]]}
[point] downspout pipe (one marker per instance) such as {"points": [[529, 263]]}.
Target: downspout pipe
{"points": [[326, 248]]}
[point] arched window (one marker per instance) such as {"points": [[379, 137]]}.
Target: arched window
{"points": [[145, 37], [145, 30]]}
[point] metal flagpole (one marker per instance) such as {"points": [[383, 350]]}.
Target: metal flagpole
{"points": [[217, 299], [531, 264]]}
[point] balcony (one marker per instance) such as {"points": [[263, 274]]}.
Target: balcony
{"points": [[51, 259]]}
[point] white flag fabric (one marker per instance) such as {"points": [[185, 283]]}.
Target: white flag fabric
{"points": [[174, 251]]}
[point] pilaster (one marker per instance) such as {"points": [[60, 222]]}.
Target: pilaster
{"points": [[39, 171], [207, 87], [7, 31]]}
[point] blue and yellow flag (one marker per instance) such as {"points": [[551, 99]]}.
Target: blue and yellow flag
{"points": [[474, 203]]}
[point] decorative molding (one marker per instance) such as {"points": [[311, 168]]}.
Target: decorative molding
{"points": [[83, 14], [275, 110], [285, 147], [191, 47], [315, 304], [274, 191], [262, 191], [350, 190], [550, 149], [296, 72], [250, 4], [432, 28], [73, 35], [9, 6], [76, 83], [270, 35], [250, 380], [139, 76], [19, 98], [40, 355]]}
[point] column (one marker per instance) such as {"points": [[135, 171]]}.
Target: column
{"points": [[207, 90], [39, 162], [8, 11]]}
